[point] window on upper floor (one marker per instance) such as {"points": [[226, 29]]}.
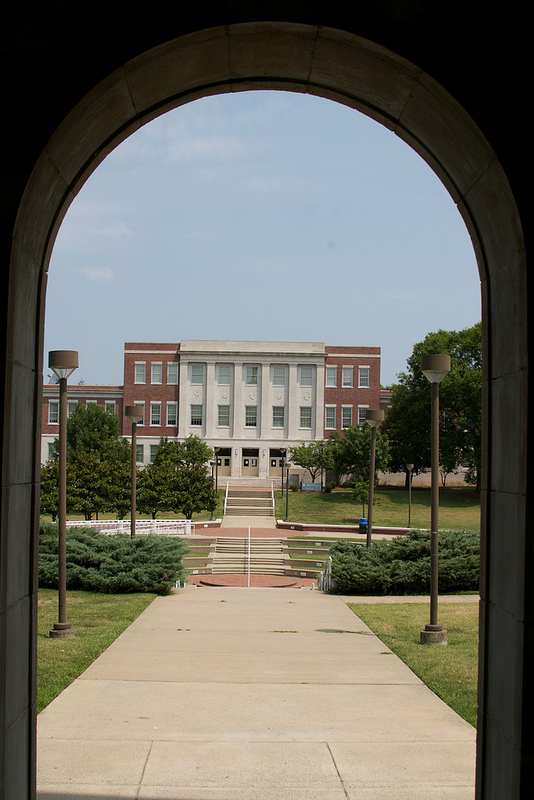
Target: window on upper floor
{"points": [[346, 377], [251, 375], [156, 373], [53, 412], [306, 376], [346, 416], [251, 416], [223, 416], [155, 413], [196, 414], [172, 414], [330, 378], [110, 406], [305, 417], [279, 418], [172, 372], [363, 377], [140, 372], [330, 417], [197, 373], [224, 374], [362, 412], [278, 375]]}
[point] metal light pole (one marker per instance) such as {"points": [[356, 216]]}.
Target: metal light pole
{"points": [[62, 363], [373, 418], [434, 367], [213, 464], [409, 467], [135, 415], [288, 465]]}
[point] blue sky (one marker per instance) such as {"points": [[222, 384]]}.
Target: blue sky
{"points": [[262, 216]]}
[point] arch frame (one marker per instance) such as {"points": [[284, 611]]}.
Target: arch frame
{"points": [[346, 68]]}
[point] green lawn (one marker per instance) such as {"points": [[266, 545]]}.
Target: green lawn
{"points": [[97, 618], [450, 671], [459, 508]]}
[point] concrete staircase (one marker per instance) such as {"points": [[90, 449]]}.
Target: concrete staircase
{"points": [[231, 556], [247, 502]]}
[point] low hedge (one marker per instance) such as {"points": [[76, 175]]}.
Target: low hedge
{"points": [[402, 566], [112, 564]]}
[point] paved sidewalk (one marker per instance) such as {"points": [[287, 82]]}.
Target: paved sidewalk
{"points": [[251, 694]]}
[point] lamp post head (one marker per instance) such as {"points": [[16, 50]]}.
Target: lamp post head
{"points": [[435, 367], [63, 362], [133, 413], [409, 467], [374, 418]]}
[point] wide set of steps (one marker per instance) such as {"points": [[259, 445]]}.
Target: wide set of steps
{"points": [[246, 502], [231, 555]]}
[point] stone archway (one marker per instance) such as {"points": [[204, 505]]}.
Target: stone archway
{"points": [[344, 67]]}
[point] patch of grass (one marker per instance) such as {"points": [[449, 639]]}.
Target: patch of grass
{"points": [[450, 671], [97, 618], [459, 508]]}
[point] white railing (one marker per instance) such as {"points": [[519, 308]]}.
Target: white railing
{"points": [[272, 498], [145, 527], [325, 578]]}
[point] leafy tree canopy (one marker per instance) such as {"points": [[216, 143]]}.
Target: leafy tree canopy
{"points": [[95, 431], [192, 452], [351, 452], [407, 423]]}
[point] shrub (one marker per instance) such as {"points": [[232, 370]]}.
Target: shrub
{"points": [[402, 566], [112, 564]]}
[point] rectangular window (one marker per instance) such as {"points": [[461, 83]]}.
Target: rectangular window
{"points": [[346, 377], [110, 406], [196, 415], [172, 372], [306, 376], [251, 416], [197, 373], [172, 414], [140, 372], [223, 416], [346, 416], [224, 374], [363, 377], [279, 375], [305, 417], [155, 413], [330, 417], [278, 416], [140, 453], [153, 452], [251, 375], [142, 407], [362, 414], [157, 373], [330, 376], [71, 407], [51, 450], [53, 412]]}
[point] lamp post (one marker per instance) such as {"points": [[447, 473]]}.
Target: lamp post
{"points": [[409, 467], [288, 466], [213, 464], [434, 367], [135, 415], [62, 363], [373, 418]]}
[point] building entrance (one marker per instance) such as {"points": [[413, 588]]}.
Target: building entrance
{"points": [[276, 462], [250, 457], [224, 461]]}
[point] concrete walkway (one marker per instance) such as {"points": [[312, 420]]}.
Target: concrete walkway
{"points": [[251, 694]]}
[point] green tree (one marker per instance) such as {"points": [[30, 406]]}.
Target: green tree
{"points": [[194, 491], [407, 421], [94, 431], [192, 452], [156, 488], [313, 456], [50, 488], [351, 452]]}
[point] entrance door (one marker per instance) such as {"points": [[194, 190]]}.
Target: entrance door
{"points": [[276, 461], [224, 461], [250, 462]]}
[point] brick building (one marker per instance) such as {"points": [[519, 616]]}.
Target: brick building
{"points": [[250, 400]]}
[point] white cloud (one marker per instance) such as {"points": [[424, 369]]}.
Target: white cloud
{"points": [[97, 273]]}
